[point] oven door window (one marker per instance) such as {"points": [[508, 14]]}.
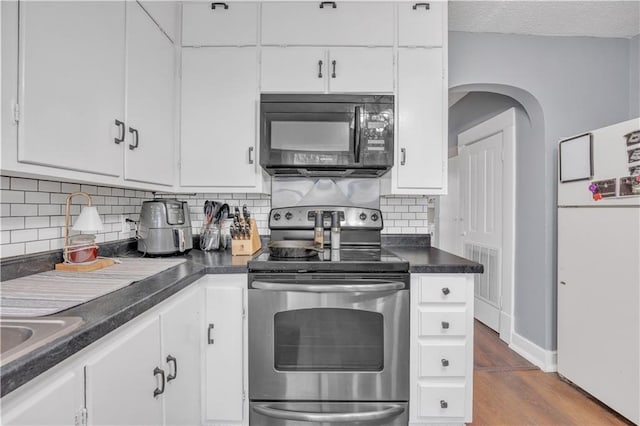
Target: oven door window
{"points": [[328, 339]]}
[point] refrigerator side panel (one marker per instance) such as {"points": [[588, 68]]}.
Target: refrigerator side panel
{"points": [[610, 161], [598, 304]]}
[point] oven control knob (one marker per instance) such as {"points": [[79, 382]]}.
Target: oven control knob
{"points": [[374, 217], [288, 215], [363, 216], [276, 216]]}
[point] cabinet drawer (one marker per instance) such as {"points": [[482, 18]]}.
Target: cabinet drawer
{"points": [[441, 401], [231, 26], [420, 26], [442, 323], [448, 289], [348, 24], [441, 360]]}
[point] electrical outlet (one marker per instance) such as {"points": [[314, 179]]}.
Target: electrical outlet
{"points": [[124, 225]]}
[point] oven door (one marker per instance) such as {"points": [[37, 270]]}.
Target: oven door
{"points": [[329, 340]]}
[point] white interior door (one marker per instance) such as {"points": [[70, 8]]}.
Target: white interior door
{"points": [[481, 221]]}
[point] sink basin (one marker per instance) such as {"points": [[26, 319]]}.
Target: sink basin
{"points": [[19, 336]]}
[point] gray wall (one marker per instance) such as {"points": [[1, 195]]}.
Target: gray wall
{"points": [[567, 85], [634, 77]]}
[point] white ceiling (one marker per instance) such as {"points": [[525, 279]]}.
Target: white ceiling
{"points": [[552, 18]]}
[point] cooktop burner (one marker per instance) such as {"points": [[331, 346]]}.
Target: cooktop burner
{"points": [[343, 260]]}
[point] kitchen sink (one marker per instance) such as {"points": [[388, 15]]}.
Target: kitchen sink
{"points": [[19, 336]]}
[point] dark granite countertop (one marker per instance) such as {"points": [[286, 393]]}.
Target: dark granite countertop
{"points": [[106, 313]]}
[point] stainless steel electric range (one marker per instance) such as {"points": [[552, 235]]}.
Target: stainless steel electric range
{"points": [[329, 334]]}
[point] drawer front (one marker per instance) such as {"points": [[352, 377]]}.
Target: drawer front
{"points": [[441, 360], [448, 289], [441, 401], [348, 24], [234, 26], [442, 323], [420, 26]]}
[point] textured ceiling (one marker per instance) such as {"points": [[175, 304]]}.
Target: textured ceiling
{"points": [[557, 18]]}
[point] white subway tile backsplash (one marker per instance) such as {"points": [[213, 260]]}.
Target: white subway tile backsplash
{"points": [[23, 235], [32, 212], [68, 188], [37, 197], [36, 222], [8, 196], [24, 184], [48, 186], [16, 249], [25, 209]]}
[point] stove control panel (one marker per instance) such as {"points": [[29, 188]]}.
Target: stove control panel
{"points": [[303, 217]]}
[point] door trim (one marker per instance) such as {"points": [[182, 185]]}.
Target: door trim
{"points": [[505, 123]]}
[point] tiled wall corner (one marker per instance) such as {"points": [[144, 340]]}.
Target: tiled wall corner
{"points": [[408, 214], [33, 213]]}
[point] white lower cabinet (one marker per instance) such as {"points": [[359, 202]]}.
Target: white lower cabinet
{"points": [[441, 358], [145, 373], [226, 360]]}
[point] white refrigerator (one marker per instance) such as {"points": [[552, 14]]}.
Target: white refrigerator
{"points": [[599, 265]]}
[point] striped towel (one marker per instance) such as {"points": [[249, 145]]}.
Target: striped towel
{"points": [[54, 291]]}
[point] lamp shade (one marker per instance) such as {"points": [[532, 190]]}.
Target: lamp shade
{"points": [[89, 220]]}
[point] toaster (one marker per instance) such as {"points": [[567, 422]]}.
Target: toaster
{"points": [[164, 227]]}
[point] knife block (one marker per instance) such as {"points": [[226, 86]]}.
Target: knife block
{"points": [[249, 246]]}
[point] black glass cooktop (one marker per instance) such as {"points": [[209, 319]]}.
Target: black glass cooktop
{"points": [[343, 260]]}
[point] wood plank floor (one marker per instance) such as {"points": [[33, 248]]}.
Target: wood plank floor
{"points": [[509, 390]]}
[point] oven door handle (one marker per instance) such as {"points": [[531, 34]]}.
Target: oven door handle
{"points": [[329, 288], [305, 416]]}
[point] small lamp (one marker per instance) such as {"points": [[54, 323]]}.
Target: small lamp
{"points": [[88, 221]]}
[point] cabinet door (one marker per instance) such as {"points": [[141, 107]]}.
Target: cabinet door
{"points": [[360, 69], [165, 14], [421, 141], [120, 380], [219, 115], [72, 85], [150, 100], [228, 24], [224, 354], [293, 69], [181, 354], [313, 23], [56, 400], [421, 25]]}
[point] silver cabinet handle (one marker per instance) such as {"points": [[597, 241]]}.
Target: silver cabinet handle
{"points": [[328, 288], [333, 64], [445, 362], [443, 403], [250, 155], [445, 325], [403, 157], [209, 338], [303, 416]]}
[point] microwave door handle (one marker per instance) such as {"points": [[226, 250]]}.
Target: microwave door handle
{"points": [[356, 134], [329, 288], [305, 416]]}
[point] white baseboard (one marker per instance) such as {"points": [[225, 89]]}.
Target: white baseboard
{"points": [[544, 359], [505, 327]]}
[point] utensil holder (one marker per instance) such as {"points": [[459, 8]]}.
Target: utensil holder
{"points": [[249, 246]]}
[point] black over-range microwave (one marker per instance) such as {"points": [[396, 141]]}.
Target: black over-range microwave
{"points": [[326, 135]]}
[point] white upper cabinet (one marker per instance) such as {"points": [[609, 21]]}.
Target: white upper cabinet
{"points": [[150, 101], [72, 85], [219, 118], [219, 24], [328, 23], [360, 70], [294, 69], [420, 165], [421, 24], [165, 14]]}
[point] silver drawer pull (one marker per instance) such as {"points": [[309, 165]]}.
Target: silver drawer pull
{"points": [[445, 362], [445, 324], [445, 290], [443, 404]]}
